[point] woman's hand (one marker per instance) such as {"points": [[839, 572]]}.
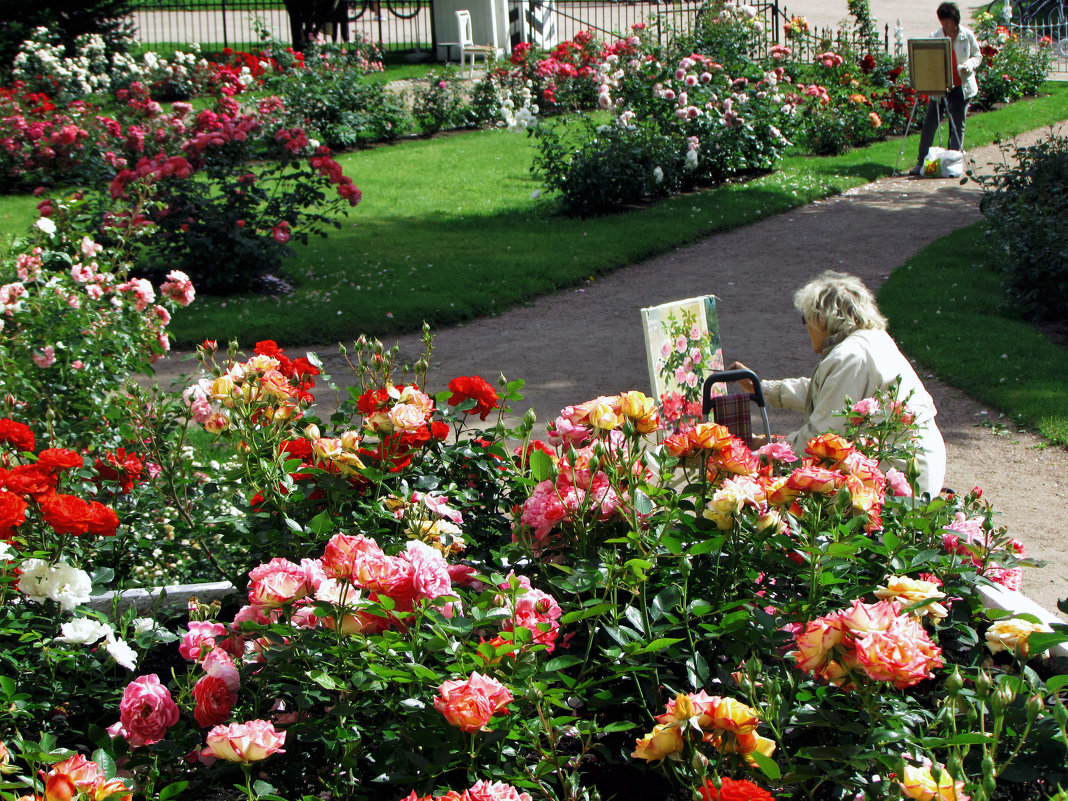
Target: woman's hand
{"points": [[745, 383]]}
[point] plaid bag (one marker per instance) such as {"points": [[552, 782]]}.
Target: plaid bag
{"points": [[732, 411]]}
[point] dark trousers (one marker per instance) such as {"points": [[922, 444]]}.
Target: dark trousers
{"points": [[957, 107]]}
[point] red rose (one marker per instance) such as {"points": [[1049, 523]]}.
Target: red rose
{"points": [[102, 520], [59, 459], [30, 479], [12, 513], [66, 513], [214, 701], [474, 388], [16, 435], [735, 790]]}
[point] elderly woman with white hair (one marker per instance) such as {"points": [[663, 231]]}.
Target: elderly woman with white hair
{"points": [[858, 358]]}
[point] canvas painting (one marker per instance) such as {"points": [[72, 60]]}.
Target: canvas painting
{"points": [[682, 347]]}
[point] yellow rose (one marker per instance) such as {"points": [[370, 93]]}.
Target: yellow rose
{"points": [[734, 716], [636, 405], [262, 363], [1012, 634], [918, 783], [603, 417], [216, 423], [350, 440], [223, 388], [662, 741]]}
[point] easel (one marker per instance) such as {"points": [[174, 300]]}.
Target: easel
{"points": [[931, 74]]}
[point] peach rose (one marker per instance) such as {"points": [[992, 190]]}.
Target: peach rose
{"points": [[469, 704], [862, 617], [817, 642], [903, 655], [245, 742], [734, 716], [817, 480], [909, 591], [662, 741], [710, 436], [407, 417], [604, 418]]}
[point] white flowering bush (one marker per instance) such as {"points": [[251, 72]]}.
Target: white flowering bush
{"points": [[74, 325], [43, 65]]}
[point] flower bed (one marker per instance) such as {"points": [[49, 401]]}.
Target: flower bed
{"points": [[433, 604]]}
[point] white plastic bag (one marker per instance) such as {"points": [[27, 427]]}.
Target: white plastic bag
{"points": [[952, 164], [942, 163]]}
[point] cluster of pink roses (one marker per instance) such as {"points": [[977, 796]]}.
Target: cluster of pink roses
{"points": [[479, 791], [876, 641], [353, 573], [728, 725], [530, 609], [147, 711], [92, 286], [968, 537]]}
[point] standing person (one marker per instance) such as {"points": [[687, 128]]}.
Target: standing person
{"points": [[847, 329], [966, 60]]}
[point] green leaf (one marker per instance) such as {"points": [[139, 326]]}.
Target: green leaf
{"points": [[322, 523], [619, 725], [767, 765], [1042, 641], [541, 465], [293, 525], [106, 763], [659, 644], [324, 679], [1054, 683], [709, 545], [642, 503], [696, 671], [171, 790], [582, 614], [560, 663]]}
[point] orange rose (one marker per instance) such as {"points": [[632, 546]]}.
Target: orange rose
{"points": [[918, 783], [829, 447], [734, 716], [710, 436]]}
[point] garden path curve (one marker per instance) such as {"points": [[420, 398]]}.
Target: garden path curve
{"points": [[583, 342]]}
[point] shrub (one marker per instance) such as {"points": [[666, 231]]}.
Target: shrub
{"points": [[76, 325], [1011, 68], [439, 103], [726, 31], [615, 166], [1026, 207]]}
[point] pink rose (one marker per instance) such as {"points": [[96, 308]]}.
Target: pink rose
{"points": [[898, 483], [277, 583], [245, 742], [470, 704], [200, 639], [146, 711], [495, 791]]}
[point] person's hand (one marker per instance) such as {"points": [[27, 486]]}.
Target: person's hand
{"points": [[745, 383]]}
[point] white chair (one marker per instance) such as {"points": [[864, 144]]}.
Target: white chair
{"points": [[468, 48]]}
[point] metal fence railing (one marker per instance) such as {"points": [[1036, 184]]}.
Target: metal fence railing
{"points": [[406, 25]]}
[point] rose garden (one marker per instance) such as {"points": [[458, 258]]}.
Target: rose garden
{"points": [[431, 597]]}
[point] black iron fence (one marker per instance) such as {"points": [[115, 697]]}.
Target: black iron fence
{"points": [[407, 25]]}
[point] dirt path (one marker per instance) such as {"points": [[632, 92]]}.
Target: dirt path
{"points": [[583, 342]]}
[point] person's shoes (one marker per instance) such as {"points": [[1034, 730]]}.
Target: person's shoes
{"points": [[917, 170]]}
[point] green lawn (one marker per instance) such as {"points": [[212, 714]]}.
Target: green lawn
{"points": [[971, 339]]}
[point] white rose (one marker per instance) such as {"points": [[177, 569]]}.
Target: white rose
{"points": [[46, 225], [122, 653], [143, 625], [84, 631]]}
